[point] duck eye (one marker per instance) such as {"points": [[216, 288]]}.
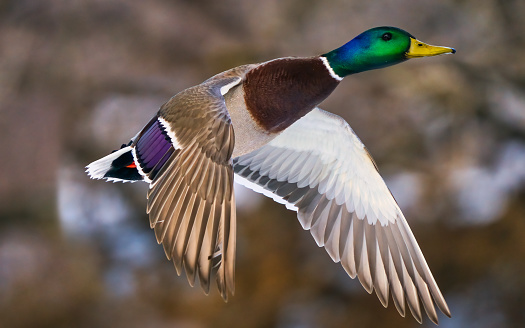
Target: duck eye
{"points": [[387, 36]]}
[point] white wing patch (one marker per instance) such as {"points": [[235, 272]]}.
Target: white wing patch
{"points": [[139, 168], [174, 141], [224, 89]]}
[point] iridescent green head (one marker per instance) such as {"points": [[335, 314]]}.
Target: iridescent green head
{"points": [[377, 48]]}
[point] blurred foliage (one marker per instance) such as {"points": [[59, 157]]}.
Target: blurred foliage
{"points": [[79, 78]]}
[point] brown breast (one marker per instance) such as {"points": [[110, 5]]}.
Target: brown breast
{"points": [[280, 92]]}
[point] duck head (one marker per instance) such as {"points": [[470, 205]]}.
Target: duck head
{"points": [[377, 48]]}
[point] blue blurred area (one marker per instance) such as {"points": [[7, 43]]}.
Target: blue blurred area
{"points": [[79, 78]]}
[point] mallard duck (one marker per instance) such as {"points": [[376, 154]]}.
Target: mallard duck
{"points": [[261, 124]]}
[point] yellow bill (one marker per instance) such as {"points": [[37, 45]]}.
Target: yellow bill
{"points": [[421, 49]]}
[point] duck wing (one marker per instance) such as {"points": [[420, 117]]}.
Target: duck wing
{"points": [[191, 202], [319, 168]]}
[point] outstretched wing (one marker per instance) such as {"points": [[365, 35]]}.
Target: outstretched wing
{"points": [[185, 155], [319, 168]]}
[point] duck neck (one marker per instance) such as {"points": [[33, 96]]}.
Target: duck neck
{"points": [[353, 58]]}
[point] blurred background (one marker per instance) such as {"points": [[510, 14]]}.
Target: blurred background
{"points": [[79, 78]]}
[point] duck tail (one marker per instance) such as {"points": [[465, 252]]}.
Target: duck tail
{"points": [[117, 166]]}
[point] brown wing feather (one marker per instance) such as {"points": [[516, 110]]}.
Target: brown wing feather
{"points": [[191, 202]]}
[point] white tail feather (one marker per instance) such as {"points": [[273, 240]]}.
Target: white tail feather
{"points": [[99, 168]]}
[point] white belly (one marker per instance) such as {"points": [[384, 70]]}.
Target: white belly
{"points": [[248, 135]]}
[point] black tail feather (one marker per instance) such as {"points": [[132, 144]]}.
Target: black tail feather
{"points": [[117, 166], [123, 167]]}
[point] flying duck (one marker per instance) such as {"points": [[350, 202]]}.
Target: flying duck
{"points": [[259, 125]]}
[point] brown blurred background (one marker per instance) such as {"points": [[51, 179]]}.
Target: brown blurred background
{"points": [[79, 78]]}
